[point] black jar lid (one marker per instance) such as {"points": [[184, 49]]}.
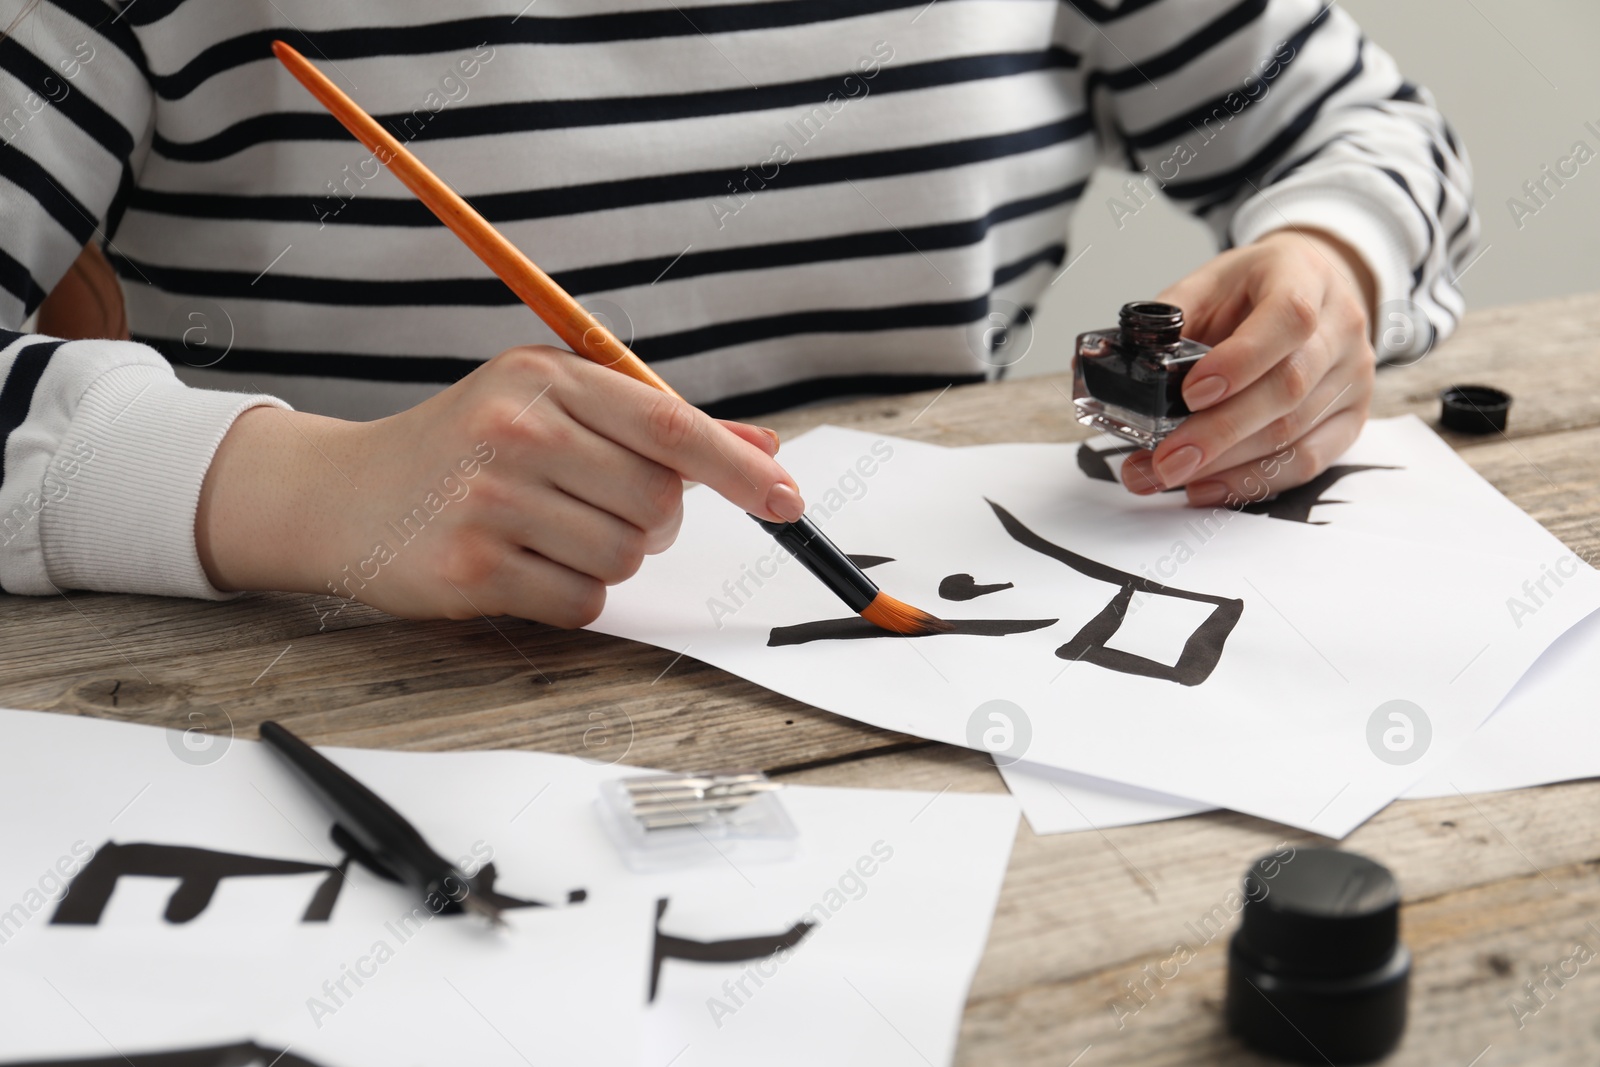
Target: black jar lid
{"points": [[1474, 408], [1322, 913]]}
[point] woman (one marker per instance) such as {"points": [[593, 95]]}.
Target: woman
{"points": [[775, 201]]}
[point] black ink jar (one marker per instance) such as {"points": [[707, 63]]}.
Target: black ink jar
{"points": [[1316, 972], [1128, 381]]}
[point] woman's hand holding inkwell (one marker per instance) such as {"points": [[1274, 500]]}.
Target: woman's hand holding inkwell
{"points": [[1283, 390]]}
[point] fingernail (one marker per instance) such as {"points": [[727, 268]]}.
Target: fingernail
{"points": [[1176, 468], [785, 503], [1138, 477], [1206, 494], [1205, 392], [772, 434]]}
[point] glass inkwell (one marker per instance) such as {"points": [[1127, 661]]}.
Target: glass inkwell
{"points": [[1128, 381]]}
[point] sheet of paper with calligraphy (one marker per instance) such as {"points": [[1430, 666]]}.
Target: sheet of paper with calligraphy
{"points": [[163, 896], [1237, 660], [1540, 733], [1398, 480], [1544, 731]]}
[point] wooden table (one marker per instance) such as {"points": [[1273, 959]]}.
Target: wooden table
{"points": [[1497, 886]]}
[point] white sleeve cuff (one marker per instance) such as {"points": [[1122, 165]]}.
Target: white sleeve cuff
{"points": [[140, 443]]}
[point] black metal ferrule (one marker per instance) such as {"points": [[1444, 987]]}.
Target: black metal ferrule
{"points": [[822, 557]]}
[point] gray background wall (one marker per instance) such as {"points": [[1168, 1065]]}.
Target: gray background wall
{"points": [[1518, 80]]}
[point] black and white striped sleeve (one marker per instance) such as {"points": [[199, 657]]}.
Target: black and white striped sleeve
{"points": [[102, 450], [1257, 115]]}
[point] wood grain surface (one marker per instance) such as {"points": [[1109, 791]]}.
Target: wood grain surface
{"points": [[1497, 887]]}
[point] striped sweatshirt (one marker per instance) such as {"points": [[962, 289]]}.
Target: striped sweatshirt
{"points": [[773, 201]]}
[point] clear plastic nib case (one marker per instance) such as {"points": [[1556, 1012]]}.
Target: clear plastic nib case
{"points": [[1128, 381]]}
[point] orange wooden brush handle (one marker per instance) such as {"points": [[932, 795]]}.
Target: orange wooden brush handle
{"points": [[582, 332]]}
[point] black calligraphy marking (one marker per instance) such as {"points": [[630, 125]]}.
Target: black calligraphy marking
{"points": [[733, 950], [483, 886], [1294, 505], [856, 628], [1093, 462], [320, 909], [963, 587], [1201, 652], [245, 1054], [869, 561], [198, 870], [482, 882]]}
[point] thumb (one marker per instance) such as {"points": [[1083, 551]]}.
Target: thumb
{"points": [[1199, 295]]}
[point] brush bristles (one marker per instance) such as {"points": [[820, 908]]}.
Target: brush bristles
{"points": [[890, 614]]}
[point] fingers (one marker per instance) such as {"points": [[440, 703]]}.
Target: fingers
{"points": [[1284, 317], [677, 435], [573, 534], [760, 436], [601, 473], [1344, 388], [1347, 387], [528, 586], [1200, 295], [1139, 475], [1293, 465], [1205, 436], [569, 532]]}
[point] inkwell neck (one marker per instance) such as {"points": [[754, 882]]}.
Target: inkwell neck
{"points": [[1150, 324]]}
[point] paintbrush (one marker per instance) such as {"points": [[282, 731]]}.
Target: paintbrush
{"points": [[587, 336]]}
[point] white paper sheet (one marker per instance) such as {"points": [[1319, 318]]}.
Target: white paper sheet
{"points": [[1334, 624], [569, 985], [1540, 732], [1547, 730]]}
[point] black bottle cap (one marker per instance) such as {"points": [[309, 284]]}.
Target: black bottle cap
{"points": [[1316, 972], [1324, 914], [1474, 408]]}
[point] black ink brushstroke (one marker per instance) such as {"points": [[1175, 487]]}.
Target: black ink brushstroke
{"points": [[320, 908], [483, 886], [732, 950], [1092, 461], [1201, 652], [869, 561], [964, 587], [244, 1054], [1294, 505], [856, 628], [198, 870], [482, 882]]}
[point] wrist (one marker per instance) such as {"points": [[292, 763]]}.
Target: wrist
{"points": [[264, 515]]}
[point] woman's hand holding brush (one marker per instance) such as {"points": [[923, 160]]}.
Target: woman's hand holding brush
{"points": [[576, 545], [576, 474]]}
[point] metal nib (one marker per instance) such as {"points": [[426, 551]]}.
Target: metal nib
{"points": [[475, 903]]}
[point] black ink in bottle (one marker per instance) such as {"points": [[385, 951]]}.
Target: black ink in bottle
{"points": [[1128, 381]]}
